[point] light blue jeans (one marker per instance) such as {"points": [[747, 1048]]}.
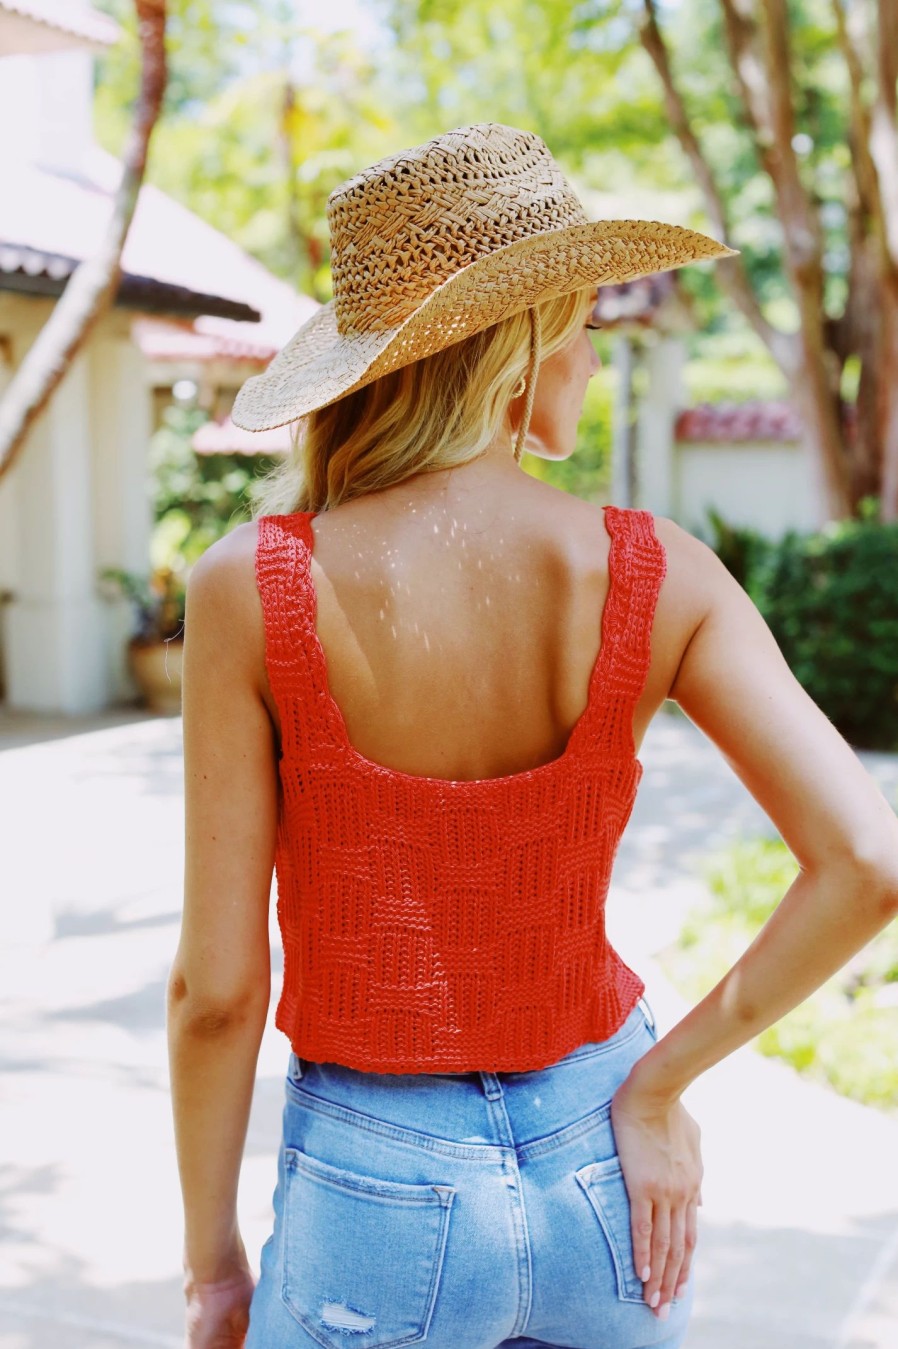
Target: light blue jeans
{"points": [[460, 1211]]}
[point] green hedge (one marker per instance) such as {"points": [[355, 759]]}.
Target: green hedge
{"points": [[831, 601], [846, 1033]]}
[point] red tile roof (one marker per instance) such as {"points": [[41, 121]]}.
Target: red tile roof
{"points": [[226, 438], [160, 340], [723, 423]]}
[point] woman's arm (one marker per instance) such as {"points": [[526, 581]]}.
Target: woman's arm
{"points": [[219, 984], [734, 684]]}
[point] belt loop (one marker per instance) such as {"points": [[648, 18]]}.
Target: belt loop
{"points": [[491, 1085], [650, 1015], [294, 1067]]}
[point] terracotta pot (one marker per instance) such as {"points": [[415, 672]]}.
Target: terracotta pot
{"points": [[156, 669]]}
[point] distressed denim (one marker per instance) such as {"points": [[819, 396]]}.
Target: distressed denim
{"points": [[457, 1210]]}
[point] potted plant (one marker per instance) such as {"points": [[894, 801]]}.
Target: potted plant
{"points": [[155, 648]]}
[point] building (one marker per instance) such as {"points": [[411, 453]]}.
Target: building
{"points": [[191, 305]]}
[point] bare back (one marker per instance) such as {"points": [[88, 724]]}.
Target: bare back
{"points": [[459, 636]]}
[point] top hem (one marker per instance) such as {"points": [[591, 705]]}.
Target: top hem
{"points": [[453, 1065]]}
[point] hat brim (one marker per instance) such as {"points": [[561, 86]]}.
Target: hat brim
{"points": [[319, 364]]}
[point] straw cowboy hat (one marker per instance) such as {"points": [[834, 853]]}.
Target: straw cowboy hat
{"points": [[435, 243]]}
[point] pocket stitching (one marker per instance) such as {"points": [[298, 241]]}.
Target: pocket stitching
{"points": [[402, 1191], [298, 1162], [589, 1178]]}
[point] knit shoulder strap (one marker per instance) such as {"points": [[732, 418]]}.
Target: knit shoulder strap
{"points": [[637, 566], [297, 680]]}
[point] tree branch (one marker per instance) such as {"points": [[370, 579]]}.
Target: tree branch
{"points": [[91, 289], [805, 244], [742, 44], [884, 122], [765, 84], [733, 277], [866, 227], [763, 70], [887, 53], [862, 163]]}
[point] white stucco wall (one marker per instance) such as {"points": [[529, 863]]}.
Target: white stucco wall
{"points": [[75, 499], [121, 415], [766, 487], [658, 408], [8, 535]]}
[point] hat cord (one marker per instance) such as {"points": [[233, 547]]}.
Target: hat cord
{"points": [[536, 347]]}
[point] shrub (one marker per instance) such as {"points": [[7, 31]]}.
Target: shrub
{"points": [[196, 497], [739, 548], [831, 601]]}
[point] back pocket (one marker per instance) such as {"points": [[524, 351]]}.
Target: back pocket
{"points": [[604, 1186], [361, 1254]]}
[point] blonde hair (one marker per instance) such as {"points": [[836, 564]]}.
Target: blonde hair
{"points": [[436, 413]]}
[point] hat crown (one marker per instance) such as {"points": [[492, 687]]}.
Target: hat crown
{"points": [[402, 227]]}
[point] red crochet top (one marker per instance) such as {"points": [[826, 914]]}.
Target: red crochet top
{"points": [[438, 925]]}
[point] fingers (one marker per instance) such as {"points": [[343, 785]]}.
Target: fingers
{"points": [[691, 1238], [660, 1247], [674, 1235], [675, 1253], [641, 1225]]}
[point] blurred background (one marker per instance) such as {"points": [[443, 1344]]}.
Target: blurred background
{"points": [[164, 174]]}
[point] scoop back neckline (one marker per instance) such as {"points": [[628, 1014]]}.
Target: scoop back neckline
{"points": [[613, 600]]}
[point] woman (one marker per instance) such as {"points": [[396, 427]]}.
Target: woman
{"points": [[417, 684]]}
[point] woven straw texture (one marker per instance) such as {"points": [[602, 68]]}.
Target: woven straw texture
{"points": [[439, 242], [436, 925]]}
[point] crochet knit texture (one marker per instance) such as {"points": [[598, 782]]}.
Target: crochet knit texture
{"points": [[442, 925]]}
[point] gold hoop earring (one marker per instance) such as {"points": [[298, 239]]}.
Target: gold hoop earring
{"points": [[519, 388]]}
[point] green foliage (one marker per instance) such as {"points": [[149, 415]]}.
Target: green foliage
{"points": [[578, 75], [158, 601], [739, 549], [752, 875], [702, 69], [845, 1034], [260, 123], [831, 601], [204, 42], [259, 168], [196, 497], [729, 364], [544, 65]]}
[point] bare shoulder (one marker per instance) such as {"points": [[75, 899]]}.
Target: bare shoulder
{"points": [[692, 579], [695, 574], [223, 604], [227, 554], [228, 564]]}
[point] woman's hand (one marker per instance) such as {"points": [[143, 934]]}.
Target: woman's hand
{"points": [[657, 1141], [218, 1313]]}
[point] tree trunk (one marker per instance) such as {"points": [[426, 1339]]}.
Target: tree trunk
{"points": [[887, 401], [91, 289], [861, 461]]}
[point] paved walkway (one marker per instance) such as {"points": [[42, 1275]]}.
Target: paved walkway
{"points": [[798, 1236]]}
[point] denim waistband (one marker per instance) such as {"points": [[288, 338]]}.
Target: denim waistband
{"points": [[650, 1015]]}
